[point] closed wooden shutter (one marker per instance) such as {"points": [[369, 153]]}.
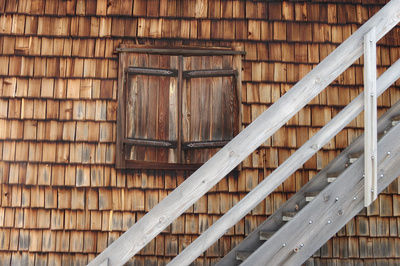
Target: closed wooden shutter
{"points": [[151, 108], [209, 106], [175, 108]]}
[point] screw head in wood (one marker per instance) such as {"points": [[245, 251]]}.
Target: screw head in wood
{"points": [[354, 198], [388, 153], [284, 245], [337, 198], [329, 221], [310, 222], [381, 175], [301, 245]]}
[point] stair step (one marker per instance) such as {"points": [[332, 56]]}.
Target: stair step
{"points": [[331, 177], [265, 235], [311, 195], [242, 255], [354, 157], [287, 216], [395, 120]]}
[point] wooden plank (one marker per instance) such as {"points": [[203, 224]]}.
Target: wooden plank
{"points": [[178, 51], [246, 142], [163, 109], [121, 115], [370, 119]]}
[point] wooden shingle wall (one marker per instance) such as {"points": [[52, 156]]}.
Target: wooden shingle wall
{"points": [[62, 199]]}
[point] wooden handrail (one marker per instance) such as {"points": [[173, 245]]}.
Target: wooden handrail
{"points": [[279, 175], [202, 180]]}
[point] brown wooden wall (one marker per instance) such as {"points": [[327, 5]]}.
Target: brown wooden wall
{"points": [[62, 199]]}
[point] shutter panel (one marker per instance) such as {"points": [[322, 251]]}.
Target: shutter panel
{"points": [[209, 106], [151, 111]]}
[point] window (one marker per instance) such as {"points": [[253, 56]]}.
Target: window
{"points": [[176, 107]]}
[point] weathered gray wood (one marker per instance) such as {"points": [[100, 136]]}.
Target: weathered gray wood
{"points": [[287, 216], [370, 118], [242, 255], [310, 196], [104, 263], [330, 210], [331, 171], [265, 235], [259, 193], [141, 233]]}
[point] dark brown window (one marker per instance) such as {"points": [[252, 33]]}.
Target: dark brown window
{"points": [[176, 106]]}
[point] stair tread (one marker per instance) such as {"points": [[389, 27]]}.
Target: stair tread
{"points": [[332, 179], [353, 157], [310, 195], [356, 154], [395, 120], [265, 235], [287, 216], [241, 255], [333, 174]]}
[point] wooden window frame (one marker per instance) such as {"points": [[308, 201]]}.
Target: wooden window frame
{"points": [[122, 141]]}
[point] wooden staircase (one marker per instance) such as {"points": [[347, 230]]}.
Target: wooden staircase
{"points": [[321, 207]]}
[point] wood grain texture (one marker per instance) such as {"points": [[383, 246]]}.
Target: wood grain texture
{"points": [[345, 200], [288, 167], [318, 182], [247, 141], [370, 118]]}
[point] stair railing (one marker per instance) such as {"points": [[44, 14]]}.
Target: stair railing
{"points": [[225, 160]]}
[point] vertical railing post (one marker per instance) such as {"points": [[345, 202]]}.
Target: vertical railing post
{"points": [[370, 118]]}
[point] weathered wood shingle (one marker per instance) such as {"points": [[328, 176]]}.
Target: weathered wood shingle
{"points": [[62, 199]]}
